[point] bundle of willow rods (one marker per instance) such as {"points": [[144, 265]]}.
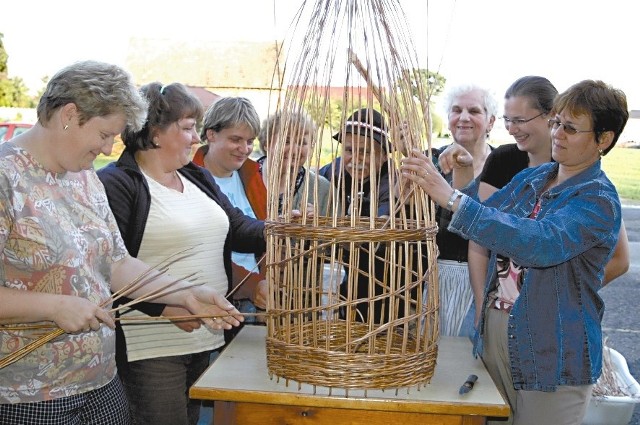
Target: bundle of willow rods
{"points": [[608, 383], [144, 278]]}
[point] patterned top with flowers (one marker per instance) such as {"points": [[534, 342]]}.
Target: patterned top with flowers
{"points": [[511, 275], [57, 235]]}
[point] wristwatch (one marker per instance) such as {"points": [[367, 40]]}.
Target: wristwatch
{"points": [[455, 195]]}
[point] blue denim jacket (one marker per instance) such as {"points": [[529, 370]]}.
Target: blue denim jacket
{"points": [[554, 328]]}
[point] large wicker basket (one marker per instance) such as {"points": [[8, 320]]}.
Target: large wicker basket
{"points": [[353, 297], [319, 336]]}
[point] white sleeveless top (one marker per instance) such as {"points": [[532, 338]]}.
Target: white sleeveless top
{"points": [[178, 221]]}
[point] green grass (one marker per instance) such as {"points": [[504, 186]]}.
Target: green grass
{"points": [[101, 161], [623, 169]]}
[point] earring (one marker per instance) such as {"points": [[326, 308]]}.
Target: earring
{"points": [[66, 126], [600, 151]]}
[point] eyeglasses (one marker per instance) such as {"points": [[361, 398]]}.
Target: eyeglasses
{"points": [[555, 124], [519, 121]]}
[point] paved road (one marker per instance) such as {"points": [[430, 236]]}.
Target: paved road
{"points": [[621, 322]]}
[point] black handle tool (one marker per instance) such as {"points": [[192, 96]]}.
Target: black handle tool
{"points": [[468, 384]]}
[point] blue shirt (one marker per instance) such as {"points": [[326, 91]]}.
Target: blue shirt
{"points": [[554, 328], [234, 189]]}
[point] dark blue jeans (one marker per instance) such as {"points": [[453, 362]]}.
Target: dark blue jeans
{"points": [[158, 389]]}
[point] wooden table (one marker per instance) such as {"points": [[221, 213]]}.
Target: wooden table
{"points": [[244, 394]]}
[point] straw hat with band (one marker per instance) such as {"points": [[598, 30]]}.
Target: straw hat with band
{"points": [[368, 123]]}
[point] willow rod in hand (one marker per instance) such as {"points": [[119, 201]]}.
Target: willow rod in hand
{"points": [[135, 284], [186, 317]]}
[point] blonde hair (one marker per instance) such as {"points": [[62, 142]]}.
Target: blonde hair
{"points": [[274, 123]]}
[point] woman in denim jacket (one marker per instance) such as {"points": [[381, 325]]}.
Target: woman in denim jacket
{"points": [[559, 223]]}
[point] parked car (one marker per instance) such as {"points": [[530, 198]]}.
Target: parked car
{"points": [[9, 130]]}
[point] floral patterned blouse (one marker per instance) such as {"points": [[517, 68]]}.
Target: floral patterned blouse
{"points": [[57, 235]]}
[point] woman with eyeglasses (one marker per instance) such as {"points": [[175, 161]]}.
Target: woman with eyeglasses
{"points": [[527, 107], [559, 222]]}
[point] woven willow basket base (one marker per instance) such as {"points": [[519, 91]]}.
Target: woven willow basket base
{"points": [[378, 362]]}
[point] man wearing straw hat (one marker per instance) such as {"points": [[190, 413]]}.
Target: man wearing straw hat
{"points": [[360, 175], [360, 161]]}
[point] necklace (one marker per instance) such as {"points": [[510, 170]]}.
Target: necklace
{"points": [[175, 182]]}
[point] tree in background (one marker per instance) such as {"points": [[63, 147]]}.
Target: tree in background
{"points": [[3, 59], [433, 81], [434, 84], [13, 91], [333, 118]]}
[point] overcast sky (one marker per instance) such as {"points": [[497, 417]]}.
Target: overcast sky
{"points": [[489, 42]]}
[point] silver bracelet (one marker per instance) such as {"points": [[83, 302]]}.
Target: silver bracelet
{"points": [[455, 195]]}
